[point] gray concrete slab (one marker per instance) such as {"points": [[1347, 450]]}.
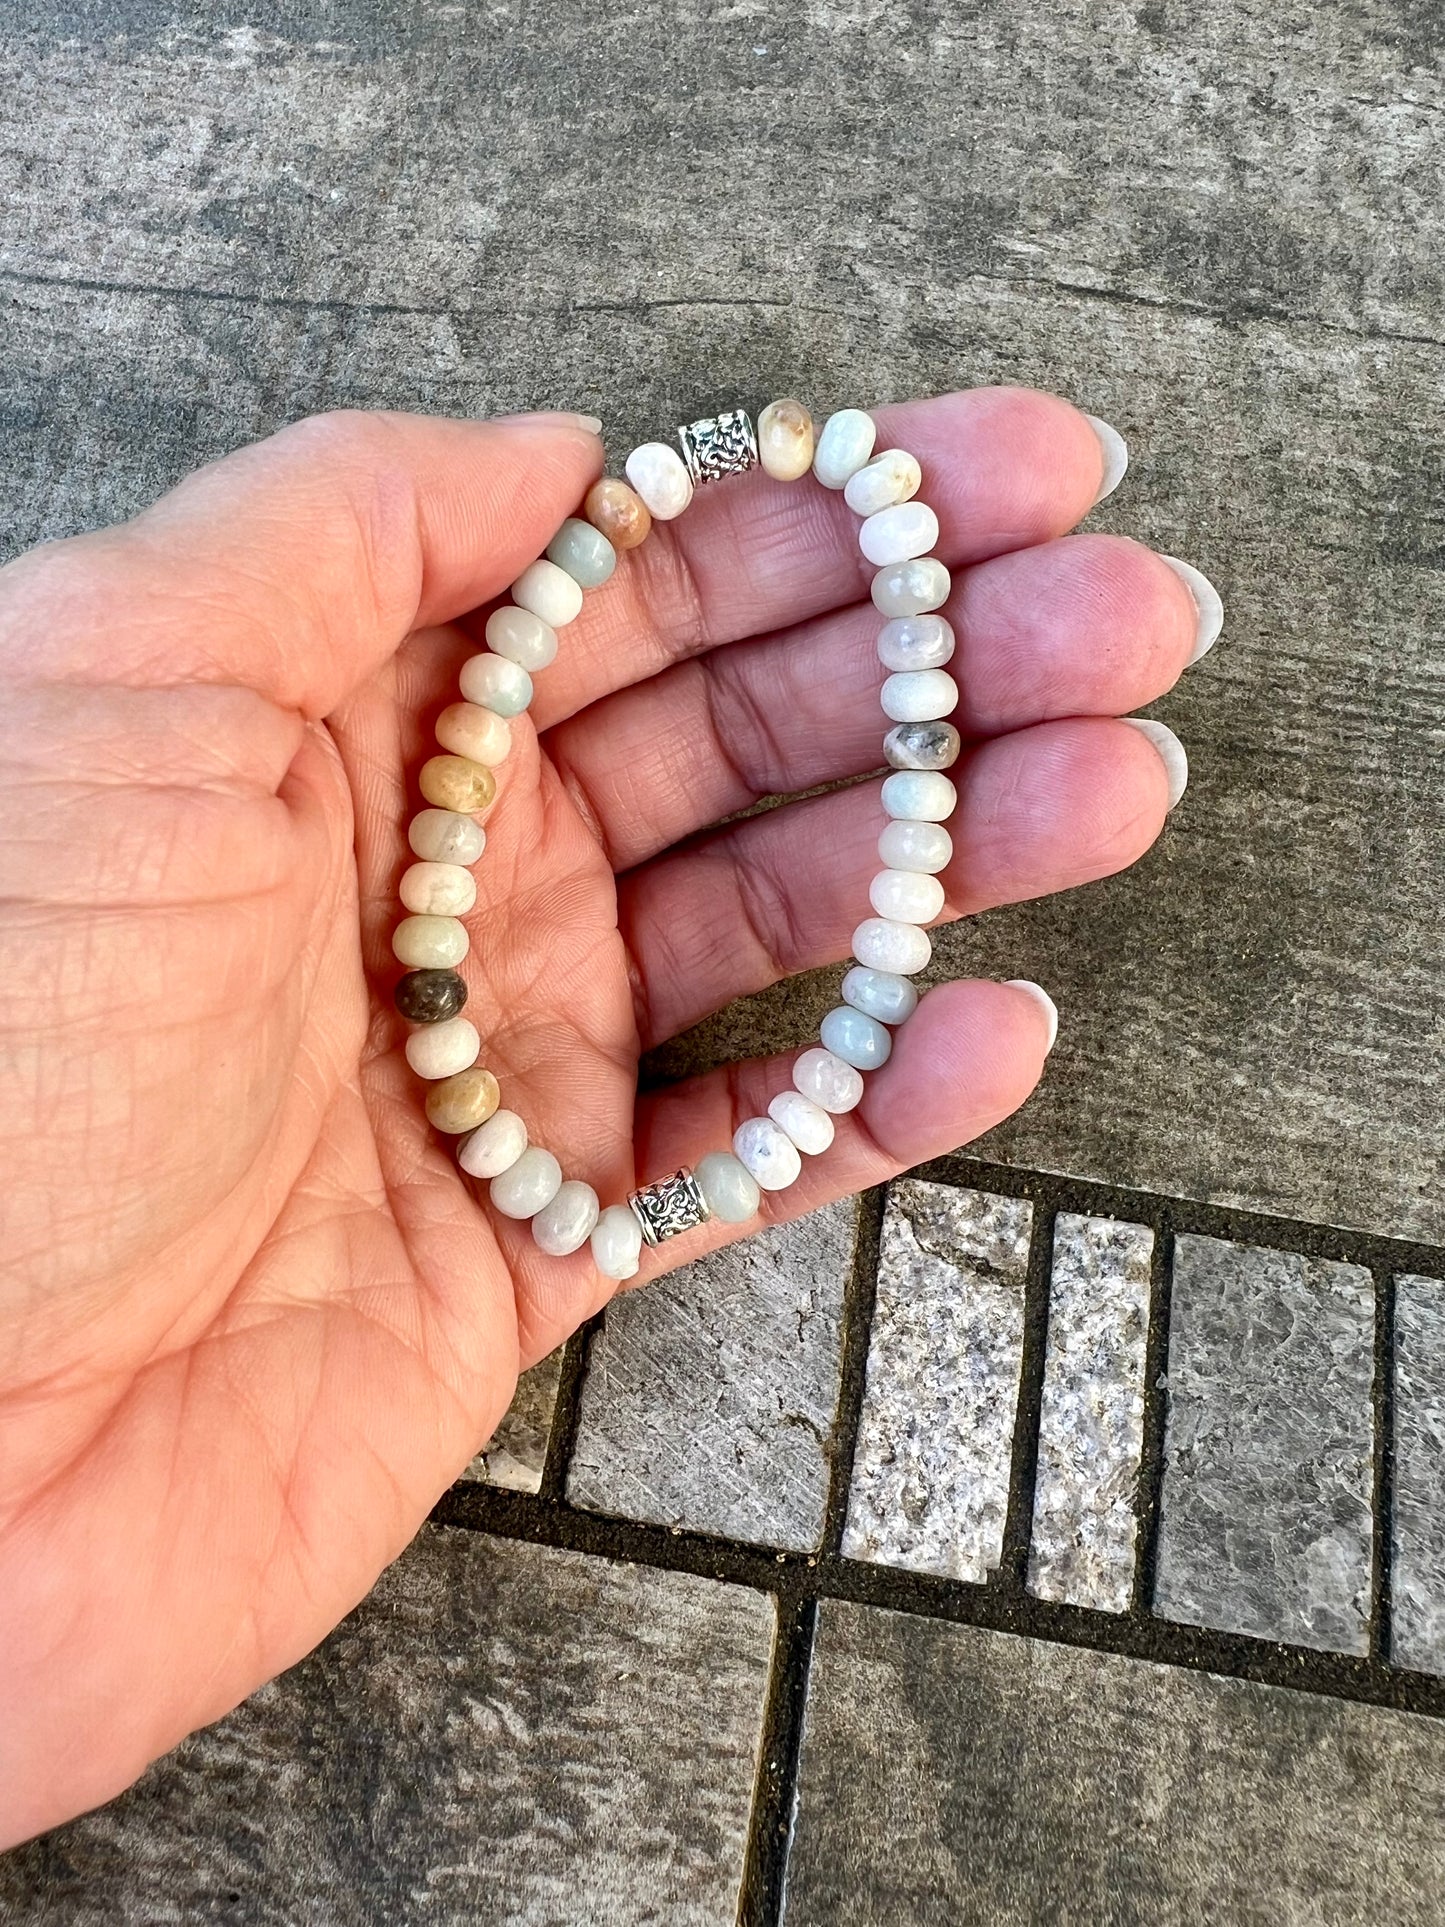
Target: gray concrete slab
{"points": [[516, 1454], [1417, 1567]]}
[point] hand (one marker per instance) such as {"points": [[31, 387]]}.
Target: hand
{"points": [[253, 1319]]}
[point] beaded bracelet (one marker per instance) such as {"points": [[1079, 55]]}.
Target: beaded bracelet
{"points": [[896, 535]]}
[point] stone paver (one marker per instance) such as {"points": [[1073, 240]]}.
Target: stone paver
{"points": [[951, 1775], [516, 1453], [1417, 1575]]}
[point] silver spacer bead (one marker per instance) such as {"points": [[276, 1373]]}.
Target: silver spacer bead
{"points": [[719, 445], [669, 1207]]}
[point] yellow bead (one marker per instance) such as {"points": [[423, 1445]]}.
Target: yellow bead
{"points": [[462, 1102], [457, 783]]}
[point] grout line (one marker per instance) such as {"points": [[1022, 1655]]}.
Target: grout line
{"points": [[1013, 1573], [775, 1791], [1382, 1501], [859, 1299], [567, 1412], [1149, 1493]]}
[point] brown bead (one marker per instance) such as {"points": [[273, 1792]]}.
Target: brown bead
{"points": [[618, 511], [462, 1102], [457, 783]]}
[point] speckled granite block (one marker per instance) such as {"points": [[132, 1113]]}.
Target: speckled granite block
{"points": [[1091, 1426], [710, 1397], [500, 1733], [930, 1473], [952, 1777], [1417, 1571], [1266, 1526], [516, 1453]]}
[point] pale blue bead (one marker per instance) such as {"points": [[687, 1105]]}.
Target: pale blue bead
{"points": [[729, 1189], [881, 994], [860, 1040], [584, 552], [921, 795]]}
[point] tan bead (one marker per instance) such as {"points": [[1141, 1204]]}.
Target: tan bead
{"points": [[786, 440], [479, 735], [462, 1102], [457, 783], [619, 512]]}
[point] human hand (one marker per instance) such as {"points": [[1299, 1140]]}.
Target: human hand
{"points": [[254, 1320]]}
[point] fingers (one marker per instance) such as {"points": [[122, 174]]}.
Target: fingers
{"points": [[1041, 810]]}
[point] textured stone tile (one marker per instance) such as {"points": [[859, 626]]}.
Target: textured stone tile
{"points": [[930, 1473], [1417, 1569], [1091, 1426], [516, 1453], [501, 1733], [1265, 1526], [710, 1397], [951, 1775]]}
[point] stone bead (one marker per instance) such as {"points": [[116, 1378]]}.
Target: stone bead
{"points": [[565, 1224], [915, 846], [911, 588], [430, 943], [528, 1186], [584, 552], [492, 682], [493, 1147], [919, 695], [457, 783], [806, 1123], [893, 476], [728, 1188], [660, 476], [830, 1083], [438, 889], [620, 513], [923, 795], [523, 638], [549, 593], [482, 736], [860, 1040], [768, 1153], [463, 1102], [916, 642], [442, 836], [441, 1050], [899, 533], [617, 1242], [881, 994], [430, 996], [844, 446], [900, 948], [932, 746], [786, 440], [906, 896]]}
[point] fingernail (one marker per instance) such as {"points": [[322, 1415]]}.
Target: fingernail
{"points": [[1116, 455], [1207, 602], [1171, 752], [1041, 996], [561, 417]]}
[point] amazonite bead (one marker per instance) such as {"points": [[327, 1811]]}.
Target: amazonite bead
{"points": [[549, 593], [463, 1101], [492, 682], [617, 1242], [620, 513], [925, 795], [915, 846], [806, 1123], [445, 836], [919, 695], [564, 1224], [916, 642], [660, 476], [729, 1189], [883, 944], [881, 994], [441, 1050], [899, 533], [911, 588], [493, 1147], [786, 440], [893, 476], [844, 446], [932, 746], [430, 943], [466, 729], [860, 1040], [528, 1186], [831, 1084], [768, 1153], [906, 896], [584, 552], [457, 783], [522, 637], [438, 889]]}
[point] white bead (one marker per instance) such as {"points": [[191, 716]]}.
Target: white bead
{"points": [[768, 1152], [899, 533], [438, 889], [860, 1040], [528, 1186], [493, 1147], [915, 642], [806, 1123], [443, 836], [844, 446], [549, 593], [827, 1080], [893, 476], [924, 795], [728, 1188], [496, 683], [441, 1050], [659, 474], [564, 1224], [430, 943], [915, 846], [481, 735], [617, 1242], [884, 944], [881, 994], [906, 896], [521, 637], [919, 695], [911, 588]]}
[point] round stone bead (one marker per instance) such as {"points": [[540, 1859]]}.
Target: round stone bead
{"points": [[830, 1083], [844, 446], [881, 994], [906, 896], [915, 846], [924, 795], [466, 729], [660, 476], [919, 695], [528, 1186], [492, 682], [463, 1102], [457, 783], [932, 746], [620, 513], [883, 944], [768, 1152], [442, 836], [430, 943], [916, 642], [860, 1040], [806, 1123], [438, 889], [493, 1147], [565, 1224], [899, 533], [911, 588], [893, 476], [441, 1050], [430, 996], [729, 1189], [523, 638], [549, 593], [617, 1242], [786, 440], [584, 552]]}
